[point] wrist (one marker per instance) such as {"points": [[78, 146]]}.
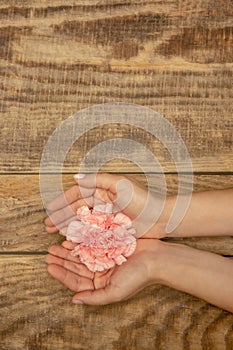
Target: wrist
{"points": [[208, 213], [157, 261], [203, 274], [168, 262], [158, 229]]}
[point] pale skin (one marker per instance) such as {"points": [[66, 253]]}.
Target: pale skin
{"points": [[203, 274]]}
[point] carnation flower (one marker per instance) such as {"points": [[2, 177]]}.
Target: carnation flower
{"points": [[104, 239]]}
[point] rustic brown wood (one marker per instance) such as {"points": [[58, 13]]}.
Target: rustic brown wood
{"points": [[22, 213], [60, 56], [57, 57], [40, 315]]}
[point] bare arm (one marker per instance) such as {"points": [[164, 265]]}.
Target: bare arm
{"points": [[210, 214], [203, 274]]}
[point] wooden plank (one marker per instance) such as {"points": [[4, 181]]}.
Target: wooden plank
{"points": [[59, 57], [37, 313], [22, 213]]}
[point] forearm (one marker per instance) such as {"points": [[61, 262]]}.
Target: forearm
{"points": [[203, 274], [210, 213]]}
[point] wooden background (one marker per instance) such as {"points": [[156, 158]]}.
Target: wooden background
{"points": [[58, 57]]}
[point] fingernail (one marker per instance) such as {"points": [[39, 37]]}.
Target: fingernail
{"points": [[79, 176], [77, 301]]}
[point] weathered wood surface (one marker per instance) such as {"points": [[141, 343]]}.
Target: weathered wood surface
{"points": [[40, 315], [22, 213], [57, 57]]}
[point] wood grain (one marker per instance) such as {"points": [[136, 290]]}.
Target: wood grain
{"points": [[40, 315], [59, 57], [22, 213]]}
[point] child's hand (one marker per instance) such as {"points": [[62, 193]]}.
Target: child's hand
{"points": [[126, 195], [119, 283]]}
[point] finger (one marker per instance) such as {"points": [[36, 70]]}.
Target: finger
{"points": [[63, 253], [60, 216], [101, 180], [100, 197], [68, 197], [102, 278], [64, 199], [51, 229], [102, 296], [77, 268], [118, 189], [63, 231], [60, 226], [68, 245], [70, 279]]}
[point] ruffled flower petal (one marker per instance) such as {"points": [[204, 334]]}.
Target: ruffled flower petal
{"points": [[104, 239], [122, 220], [75, 232]]}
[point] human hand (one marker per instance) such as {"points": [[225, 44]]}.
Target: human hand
{"points": [[203, 274], [141, 269], [126, 195]]}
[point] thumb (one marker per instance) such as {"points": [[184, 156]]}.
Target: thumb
{"points": [[116, 184], [104, 181], [101, 296]]}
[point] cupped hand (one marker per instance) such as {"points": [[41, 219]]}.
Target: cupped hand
{"points": [[126, 195], [119, 283]]}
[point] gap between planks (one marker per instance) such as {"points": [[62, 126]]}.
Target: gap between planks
{"points": [[224, 173]]}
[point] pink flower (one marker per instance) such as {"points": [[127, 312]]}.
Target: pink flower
{"points": [[104, 239]]}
